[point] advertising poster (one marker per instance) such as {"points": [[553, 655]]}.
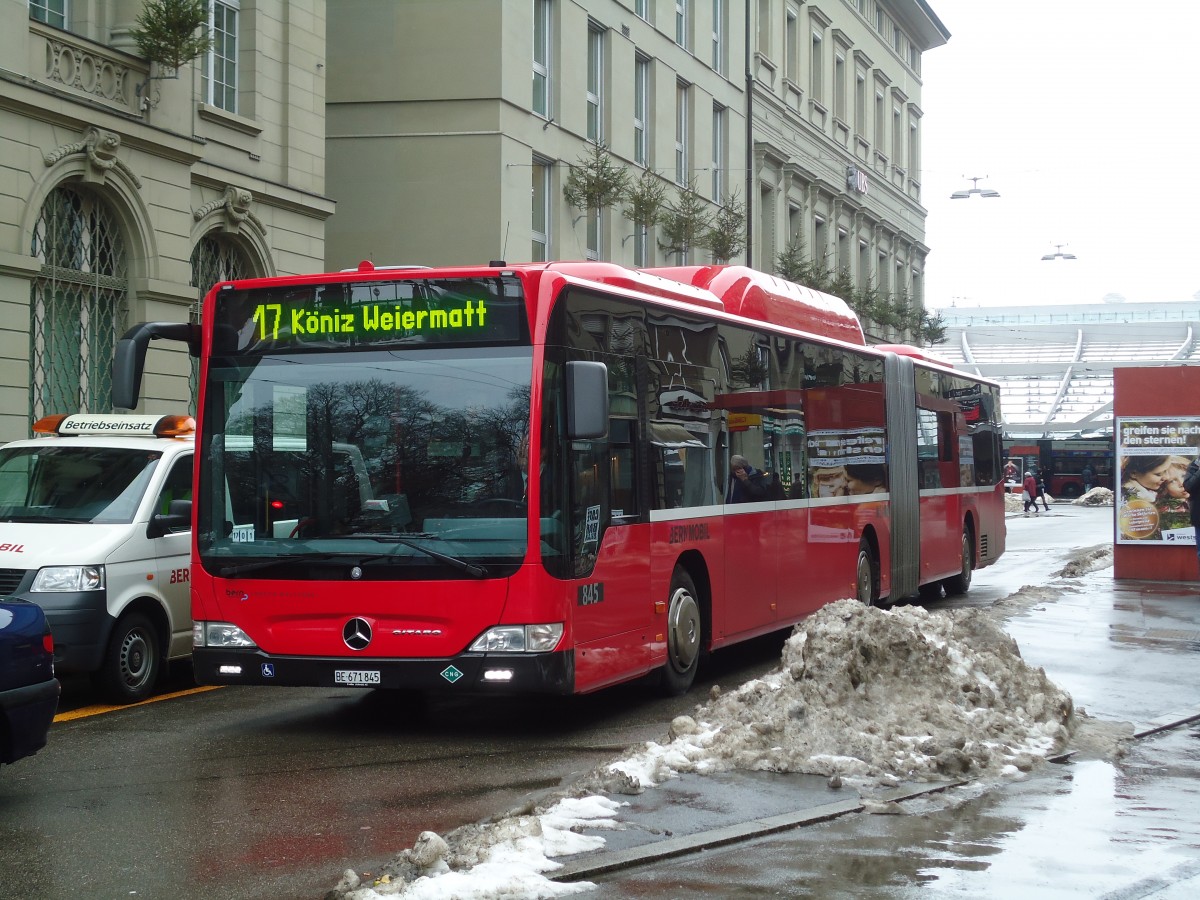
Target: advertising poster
{"points": [[1152, 455], [847, 461]]}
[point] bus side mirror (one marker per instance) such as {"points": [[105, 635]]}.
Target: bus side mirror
{"points": [[129, 357], [587, 400]]}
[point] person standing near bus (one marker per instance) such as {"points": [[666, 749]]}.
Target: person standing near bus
{"points": [[1041, 491], [1029, 487], [1089, 476]]}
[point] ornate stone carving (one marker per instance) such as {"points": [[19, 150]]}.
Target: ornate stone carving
{"points": [[100, 146], [235, 203], [86, 70]]}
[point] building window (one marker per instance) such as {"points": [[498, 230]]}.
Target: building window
{"points": [[764, 28], [541, 210], [817, 87], [880, 121], [839, 88], [641, 109], [718, 36], [52, 12], [216, 258], [791, 50], [860, 104], [641, 9], [221, 62], [683, 23], [681, 132], [719, 143], [864, 266], [595, 83], [795, 225], [914, 148], [74, 304], [820, 242], [897, 137], [541, 58]]}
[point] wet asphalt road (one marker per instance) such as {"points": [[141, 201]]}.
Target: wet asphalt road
{"points": [[1093, 826]]}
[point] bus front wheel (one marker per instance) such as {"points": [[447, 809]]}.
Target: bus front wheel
{"points": [[684, 633]]}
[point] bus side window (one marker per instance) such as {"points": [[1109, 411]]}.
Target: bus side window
{"points": [[622, 479]]}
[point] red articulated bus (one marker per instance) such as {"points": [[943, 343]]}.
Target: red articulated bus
{"points": [[522, 477]]}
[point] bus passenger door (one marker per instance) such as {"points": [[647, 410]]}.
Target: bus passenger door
{"points": [[751, 535], [611, 612]]}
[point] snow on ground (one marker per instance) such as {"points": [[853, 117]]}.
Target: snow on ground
{"points": [[865, 696], [1097, 496]]}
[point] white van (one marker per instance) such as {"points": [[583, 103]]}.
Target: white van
{"points": [[95, 528]]}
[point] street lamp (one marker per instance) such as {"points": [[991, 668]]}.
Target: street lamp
{"points": [[1058, 254], [974, 189]]}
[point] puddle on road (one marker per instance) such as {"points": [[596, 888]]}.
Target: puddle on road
{"points": [[1079, 829]]}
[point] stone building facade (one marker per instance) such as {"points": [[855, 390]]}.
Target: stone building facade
{"points": [[126, 190], [453, 128]]}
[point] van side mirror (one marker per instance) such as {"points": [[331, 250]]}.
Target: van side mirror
{"points": [[587, 399], [179, 516]]}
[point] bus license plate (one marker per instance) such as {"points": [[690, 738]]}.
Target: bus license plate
{"points": [[355, 677]]}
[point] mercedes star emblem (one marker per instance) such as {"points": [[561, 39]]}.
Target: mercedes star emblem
{"points": [[357, 634]]}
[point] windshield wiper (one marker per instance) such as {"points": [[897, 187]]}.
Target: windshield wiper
{"points": [[260, 565], [453, 561]]}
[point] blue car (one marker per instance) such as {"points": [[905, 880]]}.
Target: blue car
{"points": [[28, 689]]}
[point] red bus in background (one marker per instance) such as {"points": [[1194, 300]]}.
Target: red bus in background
{"points": [[1062, 462], [517, 477]]}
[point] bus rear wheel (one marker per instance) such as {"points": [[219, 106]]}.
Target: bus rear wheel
{"points": [[866, 580], [684, 634], [957, 585]]}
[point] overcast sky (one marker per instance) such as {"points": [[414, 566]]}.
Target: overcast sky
{"points": [[1081, 115]]}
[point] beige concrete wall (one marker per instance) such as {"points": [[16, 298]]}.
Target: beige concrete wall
{"points": [[432, 137]]}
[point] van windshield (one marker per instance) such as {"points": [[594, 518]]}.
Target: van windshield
{"points": [[320, 456], [73, 484]]}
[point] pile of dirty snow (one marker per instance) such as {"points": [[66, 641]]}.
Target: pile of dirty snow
{"points": [[1013, 503], [863, 696], [1097, 496], [878, 697]]}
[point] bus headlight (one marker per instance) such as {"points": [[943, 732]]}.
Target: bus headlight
{"points": [[219, 634], [519, 639], [56, 579]]}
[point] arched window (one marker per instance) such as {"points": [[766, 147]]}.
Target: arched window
{"points": [[76, 305], [214, 259]]}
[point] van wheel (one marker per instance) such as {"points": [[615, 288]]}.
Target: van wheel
{"points": [[957, 585], [130, 668], [684, 633], [866, 578]]}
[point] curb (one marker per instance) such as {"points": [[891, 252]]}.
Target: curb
{"points": [[731, 834]]}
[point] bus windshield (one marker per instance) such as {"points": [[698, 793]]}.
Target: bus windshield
{"points": [[407, 461]]}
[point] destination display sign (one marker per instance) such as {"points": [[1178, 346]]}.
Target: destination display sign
{"points": [[371, 314]]}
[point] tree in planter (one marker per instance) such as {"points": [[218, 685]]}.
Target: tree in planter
{"points": [[685, 222], [792, 264], [173, 32], [931, 330], [726, 237], [644, 202], [595, 182]]}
